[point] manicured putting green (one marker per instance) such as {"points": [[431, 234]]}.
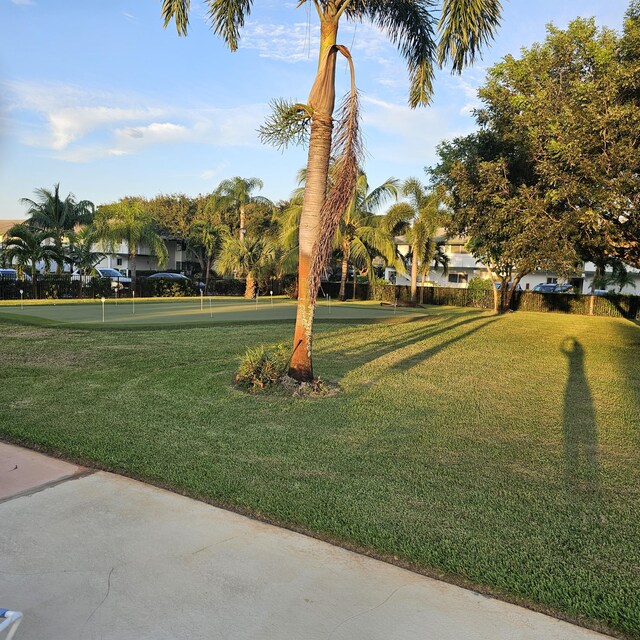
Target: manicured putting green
{"points": [[192, 312]]}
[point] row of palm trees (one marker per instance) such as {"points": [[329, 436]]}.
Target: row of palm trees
{"points": [[75, 232]]}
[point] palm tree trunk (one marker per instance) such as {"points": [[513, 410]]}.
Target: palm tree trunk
{"points": [[34, 279], [250, 286], [343, 276], [322, 101], [243, 228], [133, 259], [207, 275], [414, 275]]}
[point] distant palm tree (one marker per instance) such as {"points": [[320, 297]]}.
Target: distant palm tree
{"points": [[205, 239], [246, 258], [418, 219], [236, 194], [463, 26], [360, 236], [129, 222], [26, 247], [48, 212], [82, 254]]}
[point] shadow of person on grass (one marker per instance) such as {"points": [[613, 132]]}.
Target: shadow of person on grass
{"points": [[580, 432]]}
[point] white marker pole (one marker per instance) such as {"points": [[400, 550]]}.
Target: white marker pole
{"points": [[21, 299], [102, 299], [201, 299], [271, 294], [133, 300]]}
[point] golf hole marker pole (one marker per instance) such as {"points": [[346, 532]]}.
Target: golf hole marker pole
{"points": [[21, 299], [133, 302], [102, 300], [201, 299], [271, 294]]}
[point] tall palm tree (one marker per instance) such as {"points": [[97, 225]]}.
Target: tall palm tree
{"points": [[26, 247], [130, 222], [245, 257], [418, 219], [464, 27], [236, 193], [48, 212], [359, 233]]}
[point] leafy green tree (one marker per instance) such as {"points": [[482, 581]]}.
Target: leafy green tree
{"points": [[493, 197], [464, 28], [26, 247], [174, 213], [575, 101], [129, 222], [49, 212]]}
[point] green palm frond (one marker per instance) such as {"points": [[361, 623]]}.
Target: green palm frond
{"points": [[409, 25], [465, 27]]}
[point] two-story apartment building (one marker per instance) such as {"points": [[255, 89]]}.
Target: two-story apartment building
{"points": [[463, 266]]}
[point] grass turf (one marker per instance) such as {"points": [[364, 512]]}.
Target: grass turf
{"points": [[191, 311], [502, 452]]}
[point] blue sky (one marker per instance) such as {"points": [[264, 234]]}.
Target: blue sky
{"points": [[96, 95]]}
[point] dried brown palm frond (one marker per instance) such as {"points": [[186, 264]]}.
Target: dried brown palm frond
{"points": [[347, 149]]}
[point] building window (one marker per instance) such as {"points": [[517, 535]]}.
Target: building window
{"points": [[455, 248], [119, 261], [552, 280], [178, 265], [458, 278]]}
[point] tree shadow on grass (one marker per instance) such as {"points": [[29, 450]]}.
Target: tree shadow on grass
{"points": [[440, 327], [579, 427], [414, 360]]}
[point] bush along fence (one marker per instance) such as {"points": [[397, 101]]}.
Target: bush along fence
{"points": [[52, 286], [611, 305]]}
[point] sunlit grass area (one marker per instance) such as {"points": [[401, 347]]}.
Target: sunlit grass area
{"points": [[500, 452]]}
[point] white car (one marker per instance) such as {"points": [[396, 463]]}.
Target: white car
{"points": [[118, 281]]}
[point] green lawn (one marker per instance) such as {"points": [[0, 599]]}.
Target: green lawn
{"points": [[189, 311], [500, 452]]}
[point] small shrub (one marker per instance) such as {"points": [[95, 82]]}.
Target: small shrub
{"points": [[262, 367]]}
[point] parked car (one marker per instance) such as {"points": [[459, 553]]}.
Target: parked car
{"points": [[178, 277], [118, 281], [545, 288], [12, 274], [499, 284], [564, 288]]}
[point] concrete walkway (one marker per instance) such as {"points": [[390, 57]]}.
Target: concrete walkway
{"points": [[88, 556]]}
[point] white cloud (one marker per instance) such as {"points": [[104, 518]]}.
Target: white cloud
{"points": [[116, 125], [285, 42], [218, 170], [405, 135]]}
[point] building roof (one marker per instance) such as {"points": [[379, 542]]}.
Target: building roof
{"points": [[5, 225]]}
